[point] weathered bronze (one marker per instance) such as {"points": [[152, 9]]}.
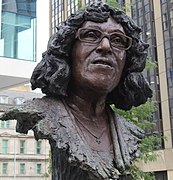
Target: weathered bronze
{"points": [[94, 60]]}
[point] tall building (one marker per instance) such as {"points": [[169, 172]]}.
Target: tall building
{"points": [[24, 32], [155, 17], [62, 9], [17, 41]]}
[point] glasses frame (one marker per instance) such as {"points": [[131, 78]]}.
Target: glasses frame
{"points": [[104, 35]]}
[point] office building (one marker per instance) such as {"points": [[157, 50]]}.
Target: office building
{"points": [[156, 19], [24, 34], [60, 10], [21, 156]]}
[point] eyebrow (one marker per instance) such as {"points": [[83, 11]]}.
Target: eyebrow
{"points": [[113, 30]]}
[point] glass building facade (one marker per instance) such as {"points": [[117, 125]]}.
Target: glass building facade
{"points": [[18, 29], [156, 19], [167, 24], [61, 9], [142, 14]]}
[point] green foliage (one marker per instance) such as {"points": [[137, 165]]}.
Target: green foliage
{"points": [[49, 169], [116, 4], [113, 3], [148, 145], [80, 5], [137, 174], [150, 65], [141, 116]]}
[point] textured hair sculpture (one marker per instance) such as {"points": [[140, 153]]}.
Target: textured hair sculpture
{"points": [[52, 74]]}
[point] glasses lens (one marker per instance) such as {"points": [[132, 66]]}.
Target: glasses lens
{"points": [[120, 41], [94, 36], [90, 35]]}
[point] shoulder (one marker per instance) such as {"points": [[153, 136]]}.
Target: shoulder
{"points": [[127, 138], [31, 112], [129, 127]]}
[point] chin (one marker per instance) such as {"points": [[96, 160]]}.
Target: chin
{"points": [[105, 86], [98, 82]]}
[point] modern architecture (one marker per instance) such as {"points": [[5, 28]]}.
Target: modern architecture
{"points": [[156, 19], [24, 32]]}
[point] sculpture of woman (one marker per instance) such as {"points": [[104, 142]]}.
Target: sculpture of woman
{"points": [[94, 60]]}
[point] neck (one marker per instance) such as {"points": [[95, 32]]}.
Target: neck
{"points": [[89, 106], [91, 118]]}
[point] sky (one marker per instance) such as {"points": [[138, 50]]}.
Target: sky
{"points": [[42, 26]]}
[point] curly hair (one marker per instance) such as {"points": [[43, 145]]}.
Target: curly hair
{"points": [[53, 73]]}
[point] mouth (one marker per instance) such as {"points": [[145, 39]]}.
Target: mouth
{"points": [[103, 62]]}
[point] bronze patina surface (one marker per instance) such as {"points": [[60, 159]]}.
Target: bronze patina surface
{"points": [[94, 60]]}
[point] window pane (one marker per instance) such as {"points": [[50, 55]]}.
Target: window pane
{"points": [[38, 168], [22, 168], [4, 146], [4, 168], [2, 124], [8, 124], [18, 30], [38, 147], [22, 146], [161, 175]]}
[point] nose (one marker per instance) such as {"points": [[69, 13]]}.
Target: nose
{"points": [[104, 46]]}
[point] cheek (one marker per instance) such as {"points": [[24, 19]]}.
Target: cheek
{"points": [[80, 54], [120, 57], [78, 60]]}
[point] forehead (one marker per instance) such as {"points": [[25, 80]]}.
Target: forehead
{"points": [[108, 26]]}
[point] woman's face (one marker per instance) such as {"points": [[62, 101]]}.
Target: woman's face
{"points": [[97, 66]]}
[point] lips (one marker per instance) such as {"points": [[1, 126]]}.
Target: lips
{"points": [[102, 61]]}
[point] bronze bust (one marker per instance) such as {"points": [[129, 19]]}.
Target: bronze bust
{"points": [[94, 60]]}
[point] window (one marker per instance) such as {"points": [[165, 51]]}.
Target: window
{"points": [[22, 168], [2, 124], [38, 147], [22, 146], [4, 168], [8, 124], [38, 168], [165, 21], [4, 146], [18, 42], [161, 175]]}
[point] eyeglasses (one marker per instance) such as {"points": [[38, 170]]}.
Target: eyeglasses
{"points": [[93, 36]]}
